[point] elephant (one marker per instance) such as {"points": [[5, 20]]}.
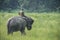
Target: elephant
{"points": [[19, 23]]}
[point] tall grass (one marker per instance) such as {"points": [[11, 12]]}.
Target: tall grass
{"points": [[46, 27]]}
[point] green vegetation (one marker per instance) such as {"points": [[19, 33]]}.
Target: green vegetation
{"points": [[46, 27], [30, 5]]}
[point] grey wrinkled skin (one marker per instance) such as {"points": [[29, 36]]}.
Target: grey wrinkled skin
{"points": [[19, 23]]}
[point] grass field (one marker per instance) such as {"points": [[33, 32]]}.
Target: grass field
{"points": [[46, 27]]}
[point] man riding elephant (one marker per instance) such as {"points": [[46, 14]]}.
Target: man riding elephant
{"points": [[18, 23]]}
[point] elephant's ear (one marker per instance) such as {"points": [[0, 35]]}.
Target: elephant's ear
{"points": [[24, 18]]}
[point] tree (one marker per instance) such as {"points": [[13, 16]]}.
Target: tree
{"points": [[31, 5]]}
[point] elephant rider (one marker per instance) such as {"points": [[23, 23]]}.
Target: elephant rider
{"points": [[21, 13]]}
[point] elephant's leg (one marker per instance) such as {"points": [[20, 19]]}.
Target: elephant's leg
{"points": [[22, 30], [10, 31]]}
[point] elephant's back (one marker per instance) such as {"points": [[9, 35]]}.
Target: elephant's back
{"points": [[17, 20]]}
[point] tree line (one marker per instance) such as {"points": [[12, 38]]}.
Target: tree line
{"points": [[30, 5]]}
